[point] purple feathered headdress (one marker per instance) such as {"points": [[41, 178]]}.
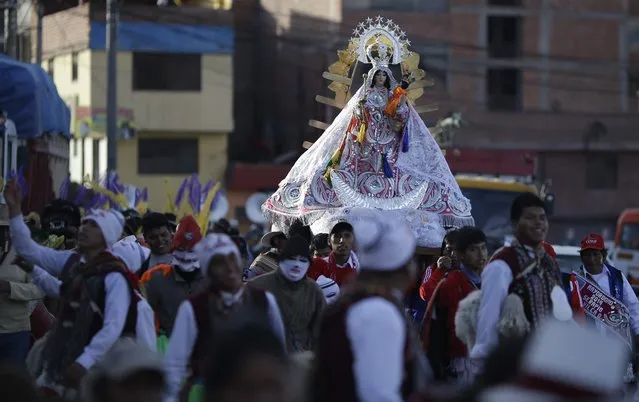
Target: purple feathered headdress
{"points": [[179, 196], [21, 180], [80, 196], [63, 193], [195, 194]]}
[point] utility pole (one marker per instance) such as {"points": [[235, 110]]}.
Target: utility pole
{"points": [[12, 29], [40, 11], [3, 43], [112, 76], [9, 30]]}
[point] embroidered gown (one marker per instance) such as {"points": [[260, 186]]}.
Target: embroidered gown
{"points": [[372, 159]]}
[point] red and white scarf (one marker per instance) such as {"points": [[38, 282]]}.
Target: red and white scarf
{"points": [[352, 262]]}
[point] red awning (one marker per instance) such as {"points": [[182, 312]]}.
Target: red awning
{"points": [[256, 177]]}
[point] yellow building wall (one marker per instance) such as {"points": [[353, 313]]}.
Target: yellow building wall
{"points": [[80, 89], [211, 109], [212, 164], [207, 115]]}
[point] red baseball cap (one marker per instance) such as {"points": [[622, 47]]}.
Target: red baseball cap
{"points": [[593, 241]]}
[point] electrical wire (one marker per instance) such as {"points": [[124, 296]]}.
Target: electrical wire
{"points": [[525, 82], [248, 33]]}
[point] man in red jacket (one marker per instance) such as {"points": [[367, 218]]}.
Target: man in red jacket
{"points": [[456, 283], [342, 264]]}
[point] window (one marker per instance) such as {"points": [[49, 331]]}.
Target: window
{"points": [[434, 61], [630, 236], [167, 72], [24, 46], [74, 66], [167, 156], [492, 210], [436, 67], [50, 67], [568, 263], [504, 37], [83, 157], [405, 5], [633, 33], [633, 89], [95, 171], [601, 171], [504, 89], [504, 3]]}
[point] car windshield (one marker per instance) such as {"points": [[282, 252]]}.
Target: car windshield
{"points": [[568, 263], [630, 236], [491, 210]]}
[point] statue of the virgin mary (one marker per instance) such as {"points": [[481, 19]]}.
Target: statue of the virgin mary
{"points": [[377, 154]]}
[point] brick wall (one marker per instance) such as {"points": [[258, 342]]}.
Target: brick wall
{"points": [[585, 39], [575, 200], [64, 32], [571, 87], [69, 30], [608, 6], [282, 67], [585, 92], [299, 39]]}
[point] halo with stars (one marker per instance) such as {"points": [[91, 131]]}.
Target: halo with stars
{"points": [[384, 29]]}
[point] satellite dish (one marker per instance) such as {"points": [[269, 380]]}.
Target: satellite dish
{"points": [[253, 208], [220, 209]]}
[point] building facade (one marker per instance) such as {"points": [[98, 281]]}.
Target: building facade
{"points": [[552, 78], [174, 92]]}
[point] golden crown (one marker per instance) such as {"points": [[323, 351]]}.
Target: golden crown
{"points": [[381, 35]]}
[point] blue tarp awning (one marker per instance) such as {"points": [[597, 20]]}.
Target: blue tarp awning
{"points": [[31, 100]]}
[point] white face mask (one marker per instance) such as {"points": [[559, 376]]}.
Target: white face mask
{"points": [[294, 269], [186, 265]]}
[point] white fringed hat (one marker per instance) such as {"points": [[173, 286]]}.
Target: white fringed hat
{"points": [[131, 252], [214, 244], [124, 359], [110, 222], [566, 361], [381, 244]]}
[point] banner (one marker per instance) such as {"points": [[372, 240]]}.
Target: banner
{"points": [[609, 313]]}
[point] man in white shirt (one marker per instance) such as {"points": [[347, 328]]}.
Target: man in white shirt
{"points": [[96, 294], [603, 314], [608, 278], [523, 269], [199, 318], [366, 349]]}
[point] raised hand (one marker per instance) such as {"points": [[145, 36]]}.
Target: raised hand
{"points": [[12, 194], [445, 263]]}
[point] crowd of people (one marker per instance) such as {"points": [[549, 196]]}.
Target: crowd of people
{"points": [[107, 306], [112, 304]]}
